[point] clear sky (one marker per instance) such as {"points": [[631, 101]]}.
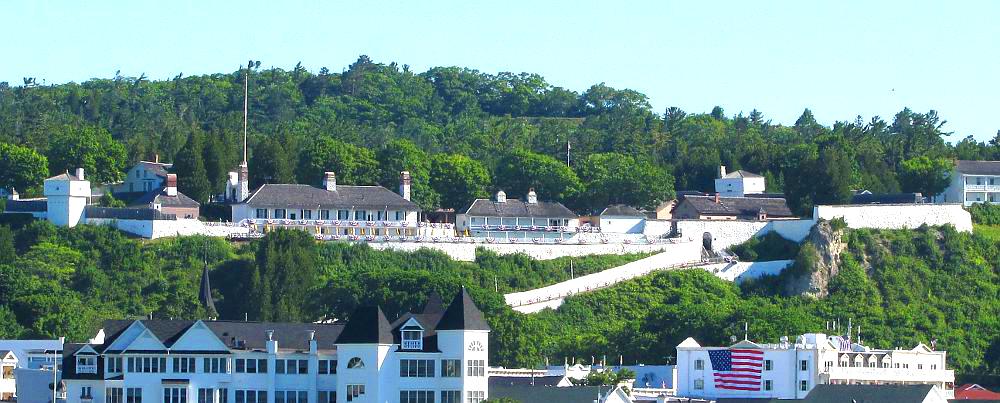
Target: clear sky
{"points": [[839, 58]]}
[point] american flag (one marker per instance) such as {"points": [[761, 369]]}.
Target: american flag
{"points": [[737, 369]]}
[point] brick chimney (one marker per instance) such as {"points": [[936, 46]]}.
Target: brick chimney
{"points": [[171, 186], [717, 199], [330, 181], [404, 184]]}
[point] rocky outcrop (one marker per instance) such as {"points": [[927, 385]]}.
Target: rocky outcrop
{"points": [[817, 263]]}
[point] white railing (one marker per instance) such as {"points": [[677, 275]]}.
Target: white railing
{"points": [[982, 188], [891, 374], [86, 369], [413, 344]]}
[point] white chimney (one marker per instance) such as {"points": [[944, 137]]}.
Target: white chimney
{"points": [[501, 197], [722, 171], [14, 195], [404, 184], [171, 186], [532, 197], [79, 173], [330, 181]]}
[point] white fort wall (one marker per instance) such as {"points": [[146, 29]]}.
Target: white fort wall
{"points": [[726, 233], [467, 251], [897, 216]]}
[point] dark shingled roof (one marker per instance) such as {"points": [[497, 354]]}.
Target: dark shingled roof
{"points": [[297, 196], [868, 393], [886, 198], [205, 294], [253, 335], [517, 208], [548, 394], [159, 196], [551, 380], [64, 176], [978, 167], [739, 206], [157, 168], [622, 210], [26, 206], [462, 314], [367, 325]]}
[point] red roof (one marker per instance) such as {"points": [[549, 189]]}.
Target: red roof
{"points": [[971, 391]]}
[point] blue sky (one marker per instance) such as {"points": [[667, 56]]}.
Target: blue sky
{"points": [[839, 58]]}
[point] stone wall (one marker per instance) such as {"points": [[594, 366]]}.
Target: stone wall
{"points": [[741, 271], [897, 216], [467, 251], [726, 233]]}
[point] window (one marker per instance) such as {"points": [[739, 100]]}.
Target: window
{"points": [[133, 395], [767, 365], [291, 396], [324, 214], [477, 368], [803, 365], [475, 396], [279, 213], [114, 365], [114, 395], [307, 214], [184, 365], [920, 366], [359, 215], [451, 368], [8, 372], [416, 396], [355, 363], [327, 367], [803, 385], [327, 396], [262, 213], [399, 216], [218, 365], [174, 395], [291, 367], [251, 366], [86, 364], [206, 395], [343, 214], [86, 392], [699, 384], [251, 396], [768, 385], [355, 391], [416, 368], [699, 364], [413, 339], [933, 366], [147, 364], [451, 396]]}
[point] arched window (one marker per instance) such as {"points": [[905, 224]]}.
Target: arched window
{"points": [[355, 363]]}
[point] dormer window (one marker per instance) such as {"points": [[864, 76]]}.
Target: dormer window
{"points": [[413, 339], [86, 364]]}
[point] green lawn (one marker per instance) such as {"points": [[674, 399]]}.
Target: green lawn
{"points": [[988, 231]]}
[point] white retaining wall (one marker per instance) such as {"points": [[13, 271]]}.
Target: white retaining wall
{"points": [[740, 271], [546, 297], [897, 216], [467, 251], [733, 232], [152, 229]]}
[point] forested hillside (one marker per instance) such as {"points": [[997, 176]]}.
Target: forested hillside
{"points": [[901, 287], [463, 133]]}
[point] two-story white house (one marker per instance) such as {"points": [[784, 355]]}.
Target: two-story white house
{"points": [[335, 210], [972, 182], [738, 183], [789, 370], [144, 176], [438, 355]]}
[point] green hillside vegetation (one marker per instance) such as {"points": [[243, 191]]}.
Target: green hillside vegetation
{"points": [[486, 131]]}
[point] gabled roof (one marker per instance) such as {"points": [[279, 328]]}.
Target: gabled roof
{"points": [[252, 335], [742, 174], [978, 167], [297, 196], [739, 206], [462, 314], [66, 176], [367, 325], [972, 391], [868, 393], [518, 208], [689, 342], [159, 196], [622, 210], [157, 168]]}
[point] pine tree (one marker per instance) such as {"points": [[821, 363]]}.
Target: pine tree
{"points": [[192, 179], [216, 164]]}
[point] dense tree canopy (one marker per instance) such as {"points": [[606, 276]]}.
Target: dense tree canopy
{"points": [[21, 168]]}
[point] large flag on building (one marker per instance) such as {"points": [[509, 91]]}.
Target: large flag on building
{"points": [[737, 369]]}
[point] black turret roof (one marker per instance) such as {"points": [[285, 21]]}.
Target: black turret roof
{"points": [[462, 314], [367, 325]]}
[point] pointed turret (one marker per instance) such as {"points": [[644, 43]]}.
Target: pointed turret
{"points": [[462, 314], [434, 304], [205, 295], [367, 325]]}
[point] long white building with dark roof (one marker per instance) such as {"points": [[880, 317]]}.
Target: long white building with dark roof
{"points": [[528, 219], [438, 355]]}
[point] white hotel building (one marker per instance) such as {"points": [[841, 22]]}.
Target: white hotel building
{"points": [[972, 182], [439, 355], [791, 370]]}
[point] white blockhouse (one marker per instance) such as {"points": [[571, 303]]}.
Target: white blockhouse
{"points": [[67, 196]]}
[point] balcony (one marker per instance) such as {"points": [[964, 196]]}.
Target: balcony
{"points": [[982, 188], [86, 369], [413, 345], [890, 374]]}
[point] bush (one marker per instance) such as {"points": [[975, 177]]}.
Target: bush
{"points": [[768, 247], [985, 213]]}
